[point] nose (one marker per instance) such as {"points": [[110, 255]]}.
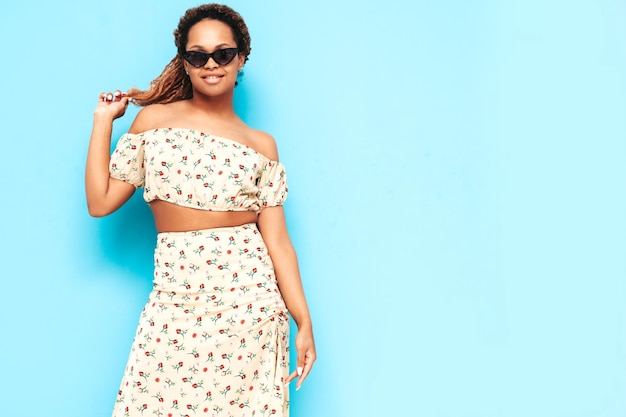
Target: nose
{"points": [[211, 64]]}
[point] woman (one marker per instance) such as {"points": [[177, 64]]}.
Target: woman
{"points": [[213, 337]]}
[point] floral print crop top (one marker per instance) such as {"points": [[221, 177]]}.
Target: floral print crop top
{"points": [[194, 169]]}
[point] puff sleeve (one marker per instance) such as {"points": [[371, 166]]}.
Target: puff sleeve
{"points": [[272, 184], [127, 160]]}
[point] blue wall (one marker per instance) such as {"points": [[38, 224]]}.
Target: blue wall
{"points": [[457, 174]]}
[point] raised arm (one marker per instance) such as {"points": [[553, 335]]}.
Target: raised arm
{"points": [[105, 194], [273, 228]]}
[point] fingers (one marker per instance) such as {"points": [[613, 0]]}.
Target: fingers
{"points": [[112, 104], [305, 347], [112, 97], [303, 369], [291, 377]]}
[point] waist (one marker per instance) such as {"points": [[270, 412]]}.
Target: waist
{"points": [[169, 217]]}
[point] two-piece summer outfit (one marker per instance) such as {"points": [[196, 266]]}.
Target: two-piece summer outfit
{"points": [[213, 338]]}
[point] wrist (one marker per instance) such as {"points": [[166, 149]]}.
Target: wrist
{"points": [[100, 116], [304, 324]]}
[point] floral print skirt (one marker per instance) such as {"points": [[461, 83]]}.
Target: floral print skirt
{"points": [[213, 338]]}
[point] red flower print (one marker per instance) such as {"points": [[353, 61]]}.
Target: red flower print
{"points": [[207, 308]]}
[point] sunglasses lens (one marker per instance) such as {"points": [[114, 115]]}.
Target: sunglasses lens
{"points": [[197, 59], [224, 56], [221, 57]]}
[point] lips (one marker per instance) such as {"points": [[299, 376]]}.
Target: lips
{"points": [[212, 78]]}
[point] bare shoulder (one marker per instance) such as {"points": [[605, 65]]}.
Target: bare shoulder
{"points": [[264, 143], [153, 116]]}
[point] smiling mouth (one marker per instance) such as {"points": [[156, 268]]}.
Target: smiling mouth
{"points": [[212, 79]]}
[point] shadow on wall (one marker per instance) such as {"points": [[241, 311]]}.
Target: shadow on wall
{"points": [[127, 237]]}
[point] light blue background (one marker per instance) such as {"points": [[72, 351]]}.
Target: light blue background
{"points": [[457, 174]]}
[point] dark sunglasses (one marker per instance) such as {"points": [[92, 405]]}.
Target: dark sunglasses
{"points": [[221, 57]]}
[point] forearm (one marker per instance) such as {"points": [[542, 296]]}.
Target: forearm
{"points": [[104, 194], [97, 168], [290, 284]]}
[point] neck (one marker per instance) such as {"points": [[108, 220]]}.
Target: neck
{"points": [[221, 106]]}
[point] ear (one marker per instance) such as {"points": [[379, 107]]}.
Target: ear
{"points": [[242, 61]]}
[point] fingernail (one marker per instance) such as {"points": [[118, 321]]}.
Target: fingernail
{"points": [[298, 388], [299, 370], [287, 384]]}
